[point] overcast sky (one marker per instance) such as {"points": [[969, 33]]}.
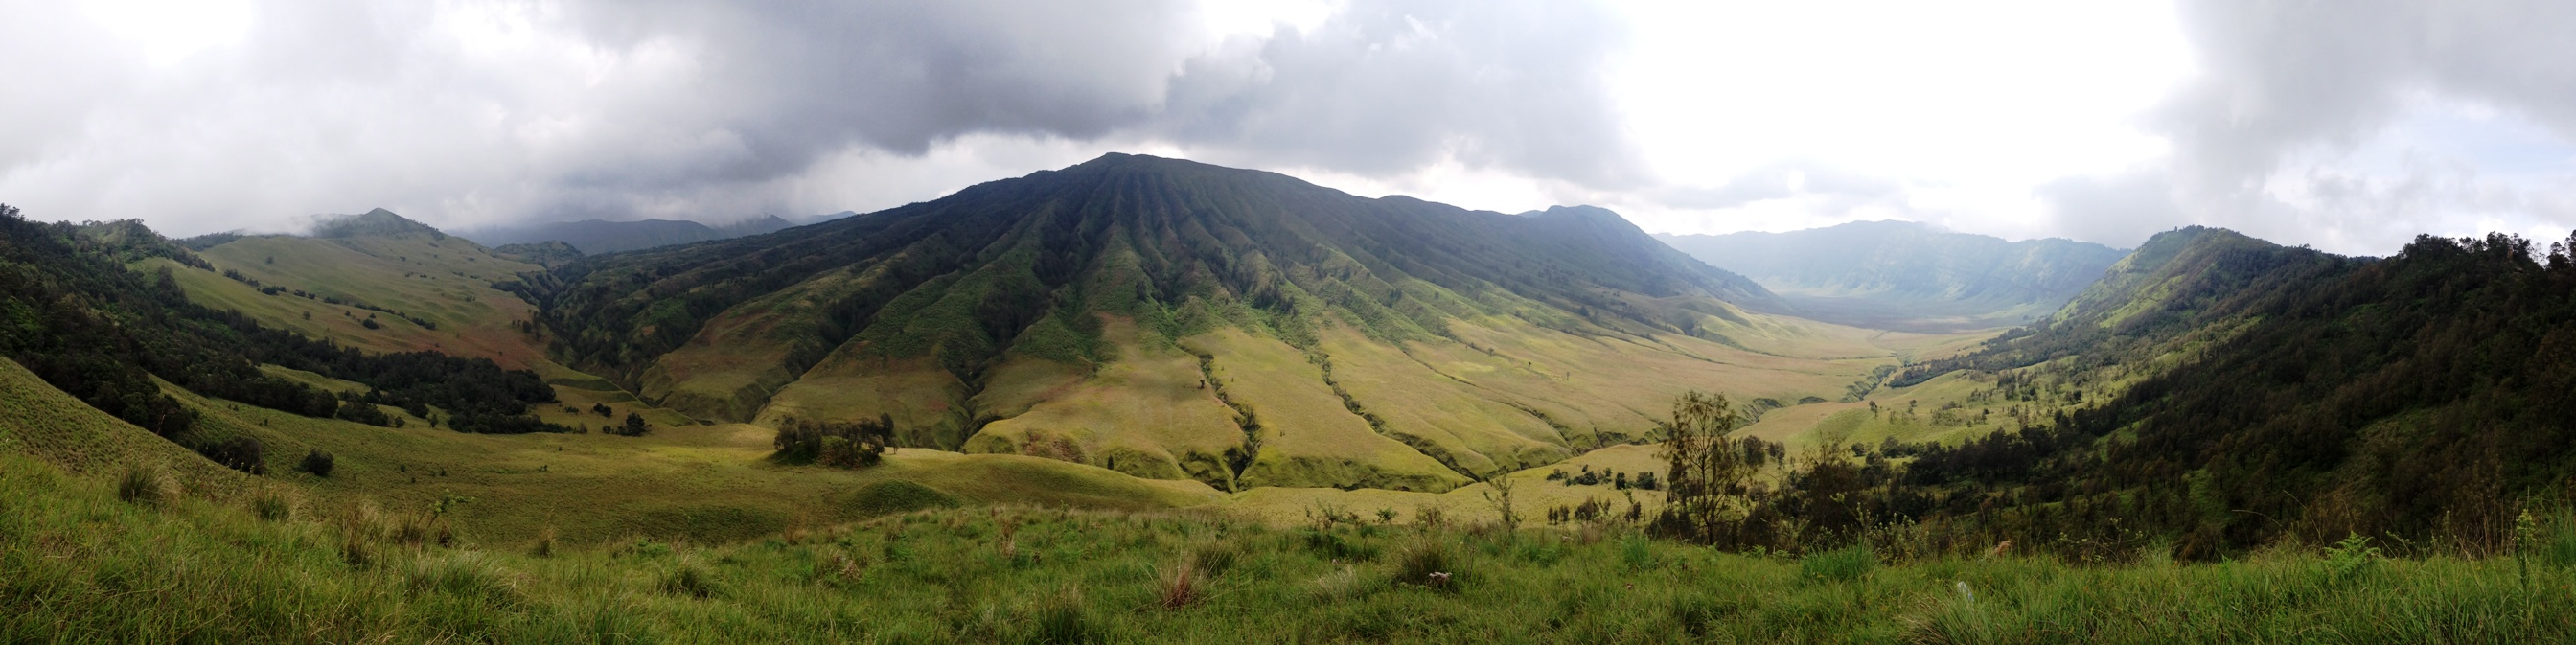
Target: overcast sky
{"points": [[2347, 125]]}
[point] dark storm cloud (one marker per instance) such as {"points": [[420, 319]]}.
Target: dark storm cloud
{"points": [[469, 113], [1390, 86]]}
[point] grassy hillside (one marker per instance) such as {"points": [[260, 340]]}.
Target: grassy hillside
{"points": [[1079, 314], [87, 567], [423, 289], [1905, 275]]}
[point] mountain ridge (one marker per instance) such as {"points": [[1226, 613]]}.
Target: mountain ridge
{"points": [[1073, 296]]}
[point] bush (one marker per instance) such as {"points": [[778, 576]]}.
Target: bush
{"points": [[363, 412], [834, 443], [316, 462], [238, 453]]}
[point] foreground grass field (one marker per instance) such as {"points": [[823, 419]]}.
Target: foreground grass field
{"points": [[85, 564]]}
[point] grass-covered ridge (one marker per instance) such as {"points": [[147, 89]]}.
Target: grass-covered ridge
{"points": [[86, 566], [1092, 314]]}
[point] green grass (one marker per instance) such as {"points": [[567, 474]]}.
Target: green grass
{"points": [[86, 567]]}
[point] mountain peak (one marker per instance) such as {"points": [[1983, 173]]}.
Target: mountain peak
{"points": [[377, 222]]}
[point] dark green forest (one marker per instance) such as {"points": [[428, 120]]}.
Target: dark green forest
{"points": [[2421, 399]]}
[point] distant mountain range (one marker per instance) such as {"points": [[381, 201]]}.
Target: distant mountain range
{"points": [[594, 237], [1906, 275]]}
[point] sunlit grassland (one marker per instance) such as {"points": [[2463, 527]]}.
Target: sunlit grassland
{"points": [[87, 567]]}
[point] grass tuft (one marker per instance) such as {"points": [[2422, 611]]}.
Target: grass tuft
{"points": [[1839, 565], [692, 579], [147, 486]]}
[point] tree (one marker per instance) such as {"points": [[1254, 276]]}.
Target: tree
{"points": [[635, 426], [1706, 472], [1501, 498]]}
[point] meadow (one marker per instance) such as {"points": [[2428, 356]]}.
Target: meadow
{"points": [[103, 559]]}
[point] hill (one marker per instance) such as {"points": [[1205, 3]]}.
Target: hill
{"points": [[594, 237], [1177, 320], [1906, 275], [2233, 392]]}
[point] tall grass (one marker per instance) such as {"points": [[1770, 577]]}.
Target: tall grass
{"points": [[82, 565]]}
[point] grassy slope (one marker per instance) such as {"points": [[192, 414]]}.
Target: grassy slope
{"points": [[85, 567], [446, 281]]}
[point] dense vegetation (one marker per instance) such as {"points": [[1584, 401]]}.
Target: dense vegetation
{"points": [[77, 317], [143, 562], [2255, 394]]}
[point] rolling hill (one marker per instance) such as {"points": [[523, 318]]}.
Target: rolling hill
{"points": [[1174, 320], [1906, 275]]}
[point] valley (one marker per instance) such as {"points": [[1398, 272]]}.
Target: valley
{"points": [[1138, 342]]}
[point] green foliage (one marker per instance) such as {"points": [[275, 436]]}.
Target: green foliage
{"points": [[1841, 565], [317, 462], [837, 444], [2354, 556]]}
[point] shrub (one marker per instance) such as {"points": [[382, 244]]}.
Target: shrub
{"points": [[834, 443], [238, 453], [363, 412], [317, 462]]}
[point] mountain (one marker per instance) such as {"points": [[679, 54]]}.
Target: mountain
{"points": [[1178, 320], [1906, 275], [597, 237]]}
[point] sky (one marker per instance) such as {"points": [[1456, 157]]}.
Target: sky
{"points": [[2350, 126]]}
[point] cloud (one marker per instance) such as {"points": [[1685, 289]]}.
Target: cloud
{"points": [[2299, 121], [1784, 179], [1391, 87], [2121, 209], [477, 112]]}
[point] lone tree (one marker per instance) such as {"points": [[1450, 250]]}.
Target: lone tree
{"points": [[635, 426], [1705, 482]]}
